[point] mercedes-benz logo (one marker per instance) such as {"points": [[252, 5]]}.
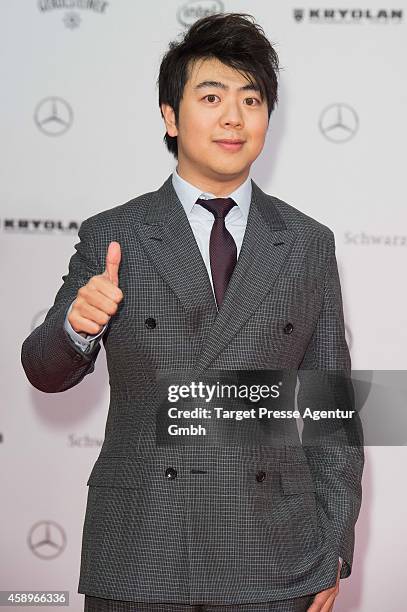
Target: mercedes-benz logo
{"points": [[46, 539], [53, 116], [72, 20], [338, 122]]}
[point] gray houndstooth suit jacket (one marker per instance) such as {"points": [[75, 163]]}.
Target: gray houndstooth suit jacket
{"points": [[206, 530]]}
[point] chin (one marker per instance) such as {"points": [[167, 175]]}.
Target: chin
{"points": [[226, 172], [229, 168]]}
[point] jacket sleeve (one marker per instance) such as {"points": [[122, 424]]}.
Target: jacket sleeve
{"points": [[50, 358], [333, 447]]}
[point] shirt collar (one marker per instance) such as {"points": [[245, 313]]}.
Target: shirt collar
{"points": [[188, 194]]}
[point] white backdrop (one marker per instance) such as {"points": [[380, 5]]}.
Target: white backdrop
{"points": [[335, 149]]}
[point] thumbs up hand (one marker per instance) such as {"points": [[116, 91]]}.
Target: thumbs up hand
{"points": [[98, 300]]}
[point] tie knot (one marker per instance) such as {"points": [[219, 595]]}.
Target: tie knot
{"points": [[219, 207]]}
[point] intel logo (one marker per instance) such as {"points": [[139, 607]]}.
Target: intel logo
{"points": [[188, 13]]}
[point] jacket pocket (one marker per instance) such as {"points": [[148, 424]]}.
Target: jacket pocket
{"points": [[124, 472], [112, 506], [298, 490], [286, 507]]}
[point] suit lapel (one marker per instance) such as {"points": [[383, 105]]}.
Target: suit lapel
{"points": [[266, 245], [168, 239]]}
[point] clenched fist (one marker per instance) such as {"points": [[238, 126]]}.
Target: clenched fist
{"points": [[98, 300]]}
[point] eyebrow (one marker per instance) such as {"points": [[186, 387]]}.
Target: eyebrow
{"points": [[219, 85]]}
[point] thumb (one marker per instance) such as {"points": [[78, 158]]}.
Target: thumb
{"points": [[113, 258]]}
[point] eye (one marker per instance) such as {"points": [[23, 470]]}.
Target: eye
{"points": [[254, 99], [210, 96]]}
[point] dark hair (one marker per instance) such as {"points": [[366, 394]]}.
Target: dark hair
{"points": [[233, 39]]}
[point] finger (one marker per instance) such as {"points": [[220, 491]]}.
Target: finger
{"points": [[88, 311], [314, 607], [81, 324], [113, 257], [103, 286], [319, 601], [329, 604], [98, 299]]}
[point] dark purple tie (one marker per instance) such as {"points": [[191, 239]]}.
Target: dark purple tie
{"points": [[222, 247]]}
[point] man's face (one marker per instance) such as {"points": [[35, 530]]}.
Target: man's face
{"points": [[212, 112]]}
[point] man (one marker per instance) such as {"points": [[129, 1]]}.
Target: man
{"points": [[207, 273]]}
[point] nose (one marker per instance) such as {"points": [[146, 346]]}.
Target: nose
{"points": [[231, 122], [232, 115]]}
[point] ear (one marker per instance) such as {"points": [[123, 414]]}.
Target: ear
{"points": [[169, 119]]}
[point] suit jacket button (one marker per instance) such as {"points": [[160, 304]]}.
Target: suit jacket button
{"points": [[260, 476], [288, 328], [150, 323], [171, 473]]}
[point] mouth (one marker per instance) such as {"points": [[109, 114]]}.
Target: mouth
{"points": [[230, 145]]}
